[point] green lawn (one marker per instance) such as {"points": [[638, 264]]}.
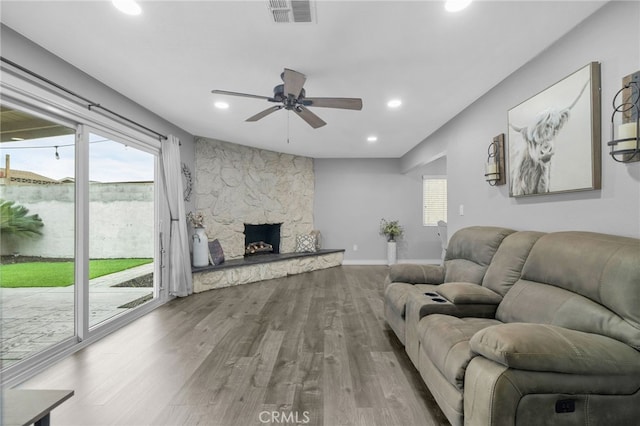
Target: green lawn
{"points": [[59, 274]]}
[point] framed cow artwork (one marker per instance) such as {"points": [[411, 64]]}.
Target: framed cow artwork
{"points": [[554, 137]]}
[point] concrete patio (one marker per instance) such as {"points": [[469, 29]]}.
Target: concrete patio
{"points": [[32, 319]]}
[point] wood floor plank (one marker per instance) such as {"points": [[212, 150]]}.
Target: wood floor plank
{"points": [[312, 347], [296, 306], [308, 393], [339, 402]]}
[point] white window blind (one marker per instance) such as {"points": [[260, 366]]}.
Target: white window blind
{"points": [[434, 200]]}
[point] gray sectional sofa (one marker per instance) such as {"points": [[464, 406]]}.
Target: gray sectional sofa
{"points": [[523, 328]]}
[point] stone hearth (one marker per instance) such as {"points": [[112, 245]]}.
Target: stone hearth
{"points": [[263, 267]]}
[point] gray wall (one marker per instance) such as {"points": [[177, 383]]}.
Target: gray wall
{"points": [[352, 195], [611, 36]]}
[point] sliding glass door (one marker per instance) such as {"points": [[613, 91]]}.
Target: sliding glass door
{"points": [[38, 204], [121, 227], [79, 234]]}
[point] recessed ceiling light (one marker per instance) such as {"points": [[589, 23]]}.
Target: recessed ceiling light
{"points": [[372, 139], [394, 103], [130, 7], [221, 105], [456, 5]]}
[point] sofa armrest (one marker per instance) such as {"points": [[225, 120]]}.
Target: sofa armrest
{"points": [[435, 303], [416, 274], [460, 293], [543, 347]]}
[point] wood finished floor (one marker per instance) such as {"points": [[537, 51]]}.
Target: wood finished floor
{"points": [[312, 348]]}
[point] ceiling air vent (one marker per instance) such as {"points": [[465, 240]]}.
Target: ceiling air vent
{"points": [[291, 11]]}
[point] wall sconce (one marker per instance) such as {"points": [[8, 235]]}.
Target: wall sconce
{"points": [[494, 169], [625, 145]]}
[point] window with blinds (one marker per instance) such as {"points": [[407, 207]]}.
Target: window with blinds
{"points": [[434, 200]]}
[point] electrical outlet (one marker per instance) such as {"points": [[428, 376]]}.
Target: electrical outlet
{"points": [[355, 247], [461, 209]]}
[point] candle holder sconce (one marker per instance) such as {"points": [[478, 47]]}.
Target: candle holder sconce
{"points": [[494, 169], [625, 121]]}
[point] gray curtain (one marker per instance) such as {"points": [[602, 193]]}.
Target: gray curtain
{"points": [[180, 283]]}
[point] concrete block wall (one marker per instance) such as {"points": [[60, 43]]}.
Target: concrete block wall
{"points": [[121, 220]]}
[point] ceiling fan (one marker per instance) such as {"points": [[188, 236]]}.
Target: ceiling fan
{"points": [[291, 96]]}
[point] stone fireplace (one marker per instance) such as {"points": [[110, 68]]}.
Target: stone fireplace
{"points": [[237, 187], [262, 238]]}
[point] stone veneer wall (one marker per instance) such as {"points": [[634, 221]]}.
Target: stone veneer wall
{"points": [[235, 184]]}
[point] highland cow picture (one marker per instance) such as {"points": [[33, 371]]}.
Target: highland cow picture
{"points": [[554, 137]]}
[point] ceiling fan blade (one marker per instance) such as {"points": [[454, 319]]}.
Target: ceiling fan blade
{"points": [[311, 119], [264, 113], [343, 103], [244, 95], [293, 82]]}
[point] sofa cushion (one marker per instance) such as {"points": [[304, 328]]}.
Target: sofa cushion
{"points": [[603, 269], [534, 302], [445, 340], [542, 347], [463, 270], [467, 293], [470, 251], [476, 243], [416, 274], [506, 266]]}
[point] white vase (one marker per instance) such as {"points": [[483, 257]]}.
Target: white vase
{"points": [[200, 248], [392, 253]]}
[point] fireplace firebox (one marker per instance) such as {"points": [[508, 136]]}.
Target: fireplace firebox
{"points": [[262, 238]]}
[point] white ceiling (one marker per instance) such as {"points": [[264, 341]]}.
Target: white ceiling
{"points": [[170, 57]]}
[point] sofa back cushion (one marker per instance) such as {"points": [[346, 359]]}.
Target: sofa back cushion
{"points": [[580, 280], [470, 251], [506, 266]]}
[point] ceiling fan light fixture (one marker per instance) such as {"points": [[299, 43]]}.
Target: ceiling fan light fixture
{"points": [[456, 5], [394, 103], [221, 105], [129, 7], [291, 96]]}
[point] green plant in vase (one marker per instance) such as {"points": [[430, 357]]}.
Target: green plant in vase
{"points": [[390, 229]]}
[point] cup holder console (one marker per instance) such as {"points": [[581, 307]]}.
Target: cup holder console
{"points": [[435, 297]]}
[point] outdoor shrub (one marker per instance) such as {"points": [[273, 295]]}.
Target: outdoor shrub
{"points": [[16, 220]]}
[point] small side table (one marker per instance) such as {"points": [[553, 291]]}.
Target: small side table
{"points": [[22, 407]]}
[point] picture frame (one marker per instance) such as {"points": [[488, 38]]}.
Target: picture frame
{"points": [[554, 137]]}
